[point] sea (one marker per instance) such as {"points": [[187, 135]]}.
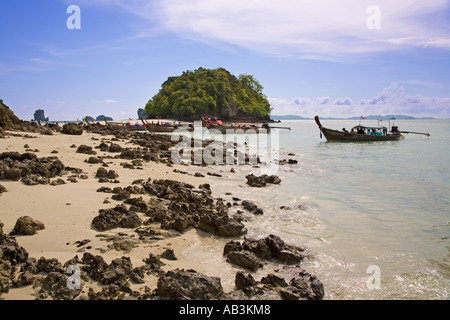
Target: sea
{"points": [[375, 216]]}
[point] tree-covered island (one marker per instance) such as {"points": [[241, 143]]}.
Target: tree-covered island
{"points": [[212, 93]]}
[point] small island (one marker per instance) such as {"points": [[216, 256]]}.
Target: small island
{"points": [[212, 93]]}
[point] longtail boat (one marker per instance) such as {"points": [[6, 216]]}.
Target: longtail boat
{"points": [[361, 133], [165, 127], [234, 127]]}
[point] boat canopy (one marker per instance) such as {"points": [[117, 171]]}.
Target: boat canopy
{"points": [[370, 128]]}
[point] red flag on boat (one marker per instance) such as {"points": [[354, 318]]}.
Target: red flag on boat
{"points": [[363, 118]]}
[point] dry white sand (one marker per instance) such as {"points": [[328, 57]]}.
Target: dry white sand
{"points": [[67, 212]]}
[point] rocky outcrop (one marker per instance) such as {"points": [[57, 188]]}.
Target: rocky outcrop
{"points": [[250, 206], [118, 217], [262, 181], [103, 173], [189, 285], [12, 257], [86, 150], [39, 115], [28, 167], [74, 129], [294, 284], [269, 248], [9, 121], [245, 259], [183, 206], [27, 226]]}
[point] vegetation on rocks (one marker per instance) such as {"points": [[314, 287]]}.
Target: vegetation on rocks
{"points": [[213, 93]]}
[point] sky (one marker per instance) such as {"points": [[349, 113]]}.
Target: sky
{"points": [[313, 57]]}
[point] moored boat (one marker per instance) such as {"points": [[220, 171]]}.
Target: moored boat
{"points": [[360, 133], [234, 127], [165, 126]]}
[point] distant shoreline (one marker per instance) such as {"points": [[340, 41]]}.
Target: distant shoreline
{"points": [[371, 117]]}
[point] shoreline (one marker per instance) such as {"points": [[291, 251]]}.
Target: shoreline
{"points": [[67, 211]]}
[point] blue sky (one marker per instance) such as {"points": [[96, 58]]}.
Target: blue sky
{"points": [[326, 57]]}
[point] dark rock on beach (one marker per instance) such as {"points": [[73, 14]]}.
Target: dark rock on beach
{"points": [[72, 129], [268, 248], [252, 207], [86, 150], [28, 167], [118, 217], [245, 259], [27, 226], [103, 173], [288, 284], [262, 181], [189, 285]]}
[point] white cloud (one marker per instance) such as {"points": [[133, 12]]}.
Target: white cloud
{"points": [[110, 101], [323, 100], [311, 29], [302, 101], [308, 29], [343, 102], [390, 100]]}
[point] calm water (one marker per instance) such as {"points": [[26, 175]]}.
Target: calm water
{"points": [[383, 204]]}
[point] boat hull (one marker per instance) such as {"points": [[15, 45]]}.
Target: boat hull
{"points": [[224, 129], [335, 135], [160, 128]]}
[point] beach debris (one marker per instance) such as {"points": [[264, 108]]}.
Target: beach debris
{"points": [[2, 189]]}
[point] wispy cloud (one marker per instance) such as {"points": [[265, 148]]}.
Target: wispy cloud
{"points": [[108, 101], [390, 100], [307, 29], [310, 29]]}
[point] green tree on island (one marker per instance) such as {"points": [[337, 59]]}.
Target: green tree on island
{"points": [[214, 93]]}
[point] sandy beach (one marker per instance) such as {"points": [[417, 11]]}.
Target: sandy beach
{"points": [[68, 210]]}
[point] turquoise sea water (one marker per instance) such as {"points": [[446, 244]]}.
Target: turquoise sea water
{"points": [[382, 204]]}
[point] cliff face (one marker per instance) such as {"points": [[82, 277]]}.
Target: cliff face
{"points": [[39, 115], [8, 120]]}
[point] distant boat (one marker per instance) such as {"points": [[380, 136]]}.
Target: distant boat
{"points": [[361, 133], [234, 127], [165, 126]]}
